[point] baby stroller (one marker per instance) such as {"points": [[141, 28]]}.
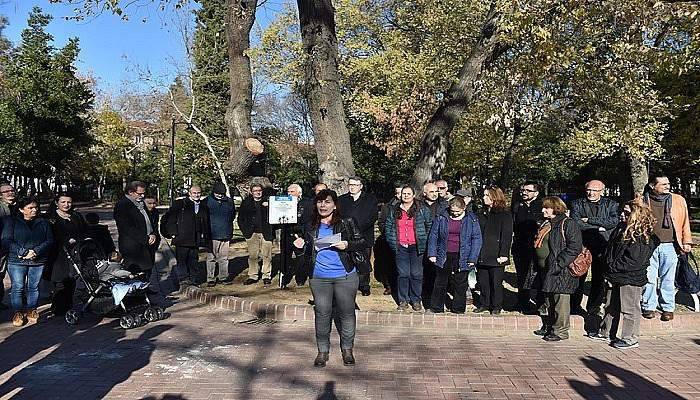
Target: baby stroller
{"points": [[104, 287]]}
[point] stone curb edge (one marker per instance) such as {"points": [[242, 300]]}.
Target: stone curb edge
{"points": [[682, 323]]}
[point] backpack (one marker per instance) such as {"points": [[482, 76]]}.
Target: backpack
{"points": [[582, 263], [688, 274]]}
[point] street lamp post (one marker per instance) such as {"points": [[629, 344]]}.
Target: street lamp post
{"points": [[171, 181]]}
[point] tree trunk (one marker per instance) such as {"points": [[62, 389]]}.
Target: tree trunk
{"points": [[436, 139], [639, 173], [503, 180], [239, 21], [322, 92]]}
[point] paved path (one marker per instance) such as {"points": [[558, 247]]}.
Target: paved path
{"points": [[204, 353]]}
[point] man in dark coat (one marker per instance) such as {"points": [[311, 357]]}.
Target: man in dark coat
{"points": [[187, 222], [222, 212], [384, 259], [253, 220], [296, 267], [437, 205], [527, 216], [597, 216], [7, 206], [361, 206], [137, 235]]}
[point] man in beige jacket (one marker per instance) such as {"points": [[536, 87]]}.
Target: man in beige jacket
{"points": [[672, 227]]}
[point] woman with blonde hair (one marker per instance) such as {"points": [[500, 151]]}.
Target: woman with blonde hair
{"points": [[627, 258]]}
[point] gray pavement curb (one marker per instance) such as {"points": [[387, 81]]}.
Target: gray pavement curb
{"points": [[504, 324]]}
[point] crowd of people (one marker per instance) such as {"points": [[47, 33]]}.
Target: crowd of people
{"points": [[434, 248]]}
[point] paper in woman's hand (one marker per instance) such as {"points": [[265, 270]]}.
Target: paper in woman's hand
{"points": [[327, 241]]}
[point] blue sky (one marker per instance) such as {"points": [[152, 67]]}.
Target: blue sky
{"points": [[111, 46]]}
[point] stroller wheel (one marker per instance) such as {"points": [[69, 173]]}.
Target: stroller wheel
{"points": [[160, 312], [150, 314], [127, 321], [72, 317], [138, 320]]}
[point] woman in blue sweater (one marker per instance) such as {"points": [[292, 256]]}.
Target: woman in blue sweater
{"points": [[334, 280], [27, 240]]}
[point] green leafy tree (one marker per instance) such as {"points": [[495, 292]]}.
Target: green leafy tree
{"points": [[44, 120]]}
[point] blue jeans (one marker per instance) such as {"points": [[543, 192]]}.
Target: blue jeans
{"points": [[410, 269], [19, 274], [662, 267]]}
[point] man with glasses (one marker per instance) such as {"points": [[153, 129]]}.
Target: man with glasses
{"points": [[363, 207], [188, 226], [443, 189], [527, 216], [137, 235], [597, 216], [7, 206], [253, 220]]}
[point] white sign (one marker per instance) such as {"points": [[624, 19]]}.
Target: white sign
{"points": [[283, 210]]}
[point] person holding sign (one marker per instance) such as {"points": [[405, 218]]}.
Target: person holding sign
{"points": [[328, 241]]}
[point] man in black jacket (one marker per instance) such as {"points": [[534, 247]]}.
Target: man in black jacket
{"points": [[7, 206], [253, 220], [597, 216], [137, 235], [361, 206], [187, 223], [296, 264], [527, 216]]}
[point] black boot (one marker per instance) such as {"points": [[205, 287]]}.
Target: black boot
{"points": [[543, 331], [321, 359], [348, 358]]}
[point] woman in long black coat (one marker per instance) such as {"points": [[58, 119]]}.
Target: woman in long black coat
{"points": [[563, 245], [496, 224], [68, 227]]}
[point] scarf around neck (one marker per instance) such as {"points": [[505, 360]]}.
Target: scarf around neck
{"points": [[665, 200]]}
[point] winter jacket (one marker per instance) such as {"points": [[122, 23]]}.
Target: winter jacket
{"points": [[59, 268], [133, 235], [100, 234], [681, 219], [364, 210], [562, 252], [627, 261], [384, 211], [191, 230], [422, 222], [310, 235], [496, 235], [438, 207], [469, 240], [221, 215], [18, 238], [248, 216], [526, 222], [604, 214]]}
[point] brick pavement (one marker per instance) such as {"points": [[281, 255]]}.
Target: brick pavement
{"points": [[204, 353]]}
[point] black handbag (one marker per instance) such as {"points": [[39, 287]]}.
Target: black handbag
{"points": [[688, 274], [359, 258]]}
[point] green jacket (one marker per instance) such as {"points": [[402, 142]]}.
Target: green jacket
{"points": [[423, 222]]}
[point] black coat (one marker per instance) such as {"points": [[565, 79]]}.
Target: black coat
{"points": [[100, 234], [496, 236], [191, 230], [364, 211], [526, 222], [248, 217], [604, 214], [305, 213], [627, 261], [133, 238], [59, 268], [310, 235], [562, 252]]}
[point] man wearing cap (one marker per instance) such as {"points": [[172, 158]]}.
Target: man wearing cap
{"points": [[222, 212]]}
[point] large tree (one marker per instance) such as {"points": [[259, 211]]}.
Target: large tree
{"points": [[322, 91], [44, 107]]}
